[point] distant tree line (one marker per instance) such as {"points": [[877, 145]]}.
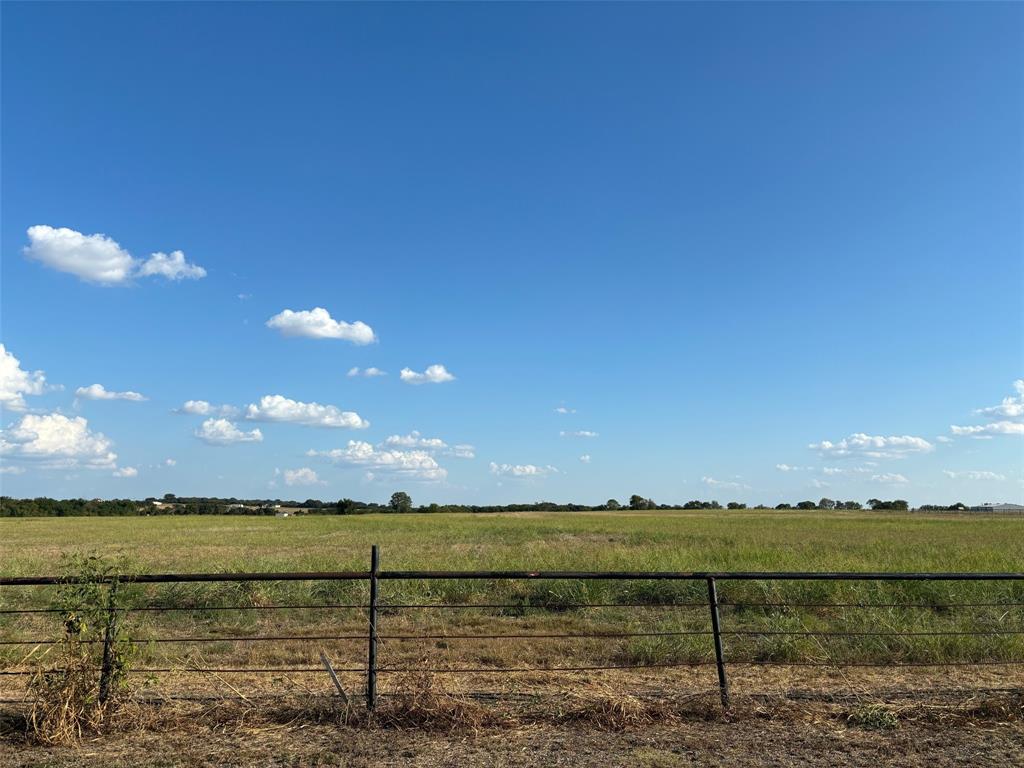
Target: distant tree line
{"points": [[400, 503]]}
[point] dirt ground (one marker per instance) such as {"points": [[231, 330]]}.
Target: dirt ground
{"points": [[743, 743], [589, 725]]}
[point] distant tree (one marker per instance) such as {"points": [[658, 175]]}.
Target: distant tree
{"points": [[347, 506], [639, 502], [875, 503], [806, 505], [782, 506], [901, 504], [612, 504], [169, 497], [959, 506], [736, 505], [826, 504], [400, 502], [852, 505]]}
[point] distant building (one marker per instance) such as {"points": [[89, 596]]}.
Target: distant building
{"points": [[1003, 507]]}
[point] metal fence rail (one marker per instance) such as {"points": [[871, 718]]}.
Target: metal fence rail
{"points": [[374, 608]]}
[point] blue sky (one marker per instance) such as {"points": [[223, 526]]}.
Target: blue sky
{"points": [[756, 252]]}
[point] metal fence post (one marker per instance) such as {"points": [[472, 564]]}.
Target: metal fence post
{"points": [[109, 631], [371, 665], [723, 683]]}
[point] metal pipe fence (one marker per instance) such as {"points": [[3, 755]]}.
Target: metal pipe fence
{"points": [[374, 609]]}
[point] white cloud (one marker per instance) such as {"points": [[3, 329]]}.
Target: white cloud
{"points": [[973, 475], [522, 470], [889, 478], [204, 408], [846, 470], [415, 440], [172, 266], [563, 410], [99, 259], [282, 409], [413, 465], [9, 469], [126, 472], [98, 392], [223, 432], [1007, 417], [462, 451], [303, 476], [987, 430], [585, 458], [368, 373], [317, 323], [713, 483], [790, 468], [56, 440], [435, 374], [169, 462], [816, 483], [578, 433], [944, 439], [875, 447], [15, 383]]}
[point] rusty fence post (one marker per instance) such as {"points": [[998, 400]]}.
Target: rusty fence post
{"points": [[723, 682], [371, 661]]}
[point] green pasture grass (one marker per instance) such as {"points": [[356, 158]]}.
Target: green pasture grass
{"points": [[635, 541]]}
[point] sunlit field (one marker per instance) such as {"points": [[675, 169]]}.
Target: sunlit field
{"points": [[656, 541]]}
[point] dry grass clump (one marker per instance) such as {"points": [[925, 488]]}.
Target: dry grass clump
{"points": [[66, 702], [425, 702], [613, 709]]}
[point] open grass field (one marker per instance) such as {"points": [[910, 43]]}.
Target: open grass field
{"points": [[656, 540], [683, 540]]}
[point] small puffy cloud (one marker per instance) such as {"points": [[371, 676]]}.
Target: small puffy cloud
{"points": [[790, 468], [816, 483], [10, 469], [889, 478], [303, 476], [15, 382], [412, 465], [585, 458], [944, 439], [847, 471], [223, 432], [973, 474], [172, 266], [563, 410], [99, 392], [93, 258], [57, 441], [725, 484], [578, 433], [204, 408], [522, 470], [126, 472], [462, 451], [170, 462], [1007, 418], [99, 259], [872, 446], [987, 430], [415, 440], [281, 409], [317, 323], [435, 374], [368, 373]]}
